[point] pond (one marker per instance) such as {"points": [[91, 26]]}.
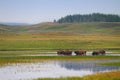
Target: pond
{"points": [[54, 69]]}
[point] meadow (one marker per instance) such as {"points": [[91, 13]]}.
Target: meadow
{"points": [[43, 38], [47, 42]]}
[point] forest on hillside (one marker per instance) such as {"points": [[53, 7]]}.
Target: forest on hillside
{"points": [[95, 17]]}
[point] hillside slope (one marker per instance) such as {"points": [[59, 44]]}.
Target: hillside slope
{"points": [[80, 28]]}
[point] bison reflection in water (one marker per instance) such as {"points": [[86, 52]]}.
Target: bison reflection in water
{"points": [[88, 65], [100, 52], [80, 52], [66, 52]]}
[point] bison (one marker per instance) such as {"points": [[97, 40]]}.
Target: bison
{"points": [[95, 53], [100, 52], [80, 52], [65, 52], [60, 52]]}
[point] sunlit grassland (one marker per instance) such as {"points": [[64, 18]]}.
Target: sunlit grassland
{"points": [[55, 41], [114, 75]]}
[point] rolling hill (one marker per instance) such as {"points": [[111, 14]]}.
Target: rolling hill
{"points": [[80, 28]]}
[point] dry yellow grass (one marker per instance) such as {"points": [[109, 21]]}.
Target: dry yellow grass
{"points": [[114, 75], [56, 36]]}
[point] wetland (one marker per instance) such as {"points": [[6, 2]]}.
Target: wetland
{"points": [[54, 69]]}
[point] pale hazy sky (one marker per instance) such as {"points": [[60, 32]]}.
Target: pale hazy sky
{"points": [[36, 11]]}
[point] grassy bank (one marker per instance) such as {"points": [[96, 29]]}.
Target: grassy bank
{"points": [[115, 75], [112, 64], [26, 59]]}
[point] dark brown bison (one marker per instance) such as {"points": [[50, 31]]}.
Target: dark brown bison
{"points": [[60, 52], [66, 52], [80, 52], [95, 53], [100, 52]]}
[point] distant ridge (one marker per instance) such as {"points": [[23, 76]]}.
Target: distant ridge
{"points": [[13, 24]]}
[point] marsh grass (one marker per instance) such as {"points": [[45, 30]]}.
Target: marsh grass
{"points": [[27, 59], [111, 64]]}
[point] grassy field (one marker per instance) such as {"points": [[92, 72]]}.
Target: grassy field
{"points": [[53, 36], [115, 75], [54, 41]]}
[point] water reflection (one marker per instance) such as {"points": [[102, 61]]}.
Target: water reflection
{"points": [[53, 69], [87, 66]]}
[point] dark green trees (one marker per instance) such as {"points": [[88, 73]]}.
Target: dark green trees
{"points": [[95, 17]]}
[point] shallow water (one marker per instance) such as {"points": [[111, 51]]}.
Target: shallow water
{"points": [[73, 54], [53, 69]]}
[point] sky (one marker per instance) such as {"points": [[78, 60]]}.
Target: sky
{"points": [[37, 11]]}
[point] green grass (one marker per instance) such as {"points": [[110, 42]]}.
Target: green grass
{"points": [[56, 44], [111, 64], [23, 59], [54, 41]]}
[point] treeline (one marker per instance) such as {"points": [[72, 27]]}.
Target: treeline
{"points": [[95, 17]]}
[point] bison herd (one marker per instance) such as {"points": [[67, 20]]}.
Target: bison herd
{"points": [[79, 52]]}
